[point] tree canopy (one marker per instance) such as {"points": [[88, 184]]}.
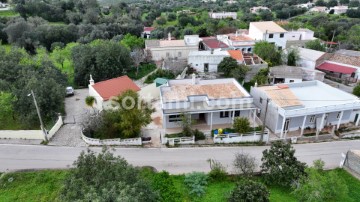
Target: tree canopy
{"points": [[105, 177], [268, 52]]}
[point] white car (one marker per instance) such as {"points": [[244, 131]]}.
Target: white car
{"points": [[69, 91]]}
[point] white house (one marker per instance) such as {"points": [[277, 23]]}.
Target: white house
{"points": [[238, 41], [305, 105], [299, 37], [206, 61], [208, 102], [105, 91], [319, 9], [268, 31], [172, 49], [257, 9], [307, 5], [309, 58], [222, 15], [339, 9], [285, 74]]}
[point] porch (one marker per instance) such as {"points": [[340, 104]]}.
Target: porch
{"points": [[207, 121]]}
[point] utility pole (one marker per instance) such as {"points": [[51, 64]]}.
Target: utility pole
{"points": [[39, 115], [263, 126]]}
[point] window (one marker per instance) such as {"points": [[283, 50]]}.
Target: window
{"points": [[249, 49], [291, 81], [167, 54], [279, 48], [224, 114], [206, 67], [179, 54], [261, 100], [174, 118], [271, 36], [237, 113], [312, 119], [282, 35], [338, 115], [196, 64]]}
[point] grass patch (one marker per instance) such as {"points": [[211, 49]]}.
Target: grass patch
{"points": [[32, 186], [352, 183], [8, 13], [11, 124], [144, 70], [166, 74]]}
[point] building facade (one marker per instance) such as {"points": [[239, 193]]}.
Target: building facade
{"points": [[306, 105], [268, 31], [207, 102]]}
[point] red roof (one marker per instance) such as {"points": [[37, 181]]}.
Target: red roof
{"points": [[236, 54], [214, 43], [336, 68], [115, 87], [148, 29]]}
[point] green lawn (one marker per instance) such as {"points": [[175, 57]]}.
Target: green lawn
{"points": [[144, 70], [8, 13], [31, 186], [46, 185]]}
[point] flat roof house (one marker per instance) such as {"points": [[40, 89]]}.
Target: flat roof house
{"points": [[307, 105], [172, 49], [104, 91], [222, 15], [268, 31], [208, 102], [238, 41]]}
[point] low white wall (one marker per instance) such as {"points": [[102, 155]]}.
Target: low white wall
{"points": [[31, 134], [55, 128], [117, 141], [236, 138], [22, 134]]}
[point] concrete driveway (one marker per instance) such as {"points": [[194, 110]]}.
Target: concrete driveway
{"points": [[76, 113]]}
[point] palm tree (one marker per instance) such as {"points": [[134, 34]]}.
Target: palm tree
{"points": [[90, 101]]}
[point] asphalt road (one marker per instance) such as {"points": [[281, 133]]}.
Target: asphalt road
{"points": [[174, 160]]}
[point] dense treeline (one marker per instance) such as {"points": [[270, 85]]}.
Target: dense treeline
{"points": [[19, 74]]}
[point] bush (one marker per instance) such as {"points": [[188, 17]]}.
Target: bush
{"points": [[244, 164], [218, 171], [163, 183], [242, 125], [161, 73], [198, 135], [356, 90], [248, 190], [280, 166], [196, 182]]}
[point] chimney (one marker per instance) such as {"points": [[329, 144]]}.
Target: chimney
{"points": [[193, 79], [91, 81], [169, 36]]}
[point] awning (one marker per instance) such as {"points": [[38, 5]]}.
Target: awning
{"points": [[336, 68]]}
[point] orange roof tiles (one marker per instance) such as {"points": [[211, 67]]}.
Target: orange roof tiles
{"points": [[114, 87], [236, 54]]}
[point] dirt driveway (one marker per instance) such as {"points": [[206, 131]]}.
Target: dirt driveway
{"points": [[76, 113]]}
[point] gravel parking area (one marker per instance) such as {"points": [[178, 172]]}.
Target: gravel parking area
{"points": [[76, 113]]}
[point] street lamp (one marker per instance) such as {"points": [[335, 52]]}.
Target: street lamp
{"points": [[38, 112]]}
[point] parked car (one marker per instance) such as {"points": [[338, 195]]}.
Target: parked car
{"points": [[70, 91]]}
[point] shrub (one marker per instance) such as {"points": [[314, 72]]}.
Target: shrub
{"points": [[356, 90], [161, 73], [198, 135], [318, 185], [280, 166], [196, 182], [241, 125], [244, 164], [218, 171], [248, 190], [163, 183]]}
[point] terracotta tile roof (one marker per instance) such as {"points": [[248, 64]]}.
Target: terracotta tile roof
{"points": [[347, 57], [336, 68], [236, 54], [148, 29], [214, 43], [233, 37], [213, 91], [114, 87], [281, 95]]}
